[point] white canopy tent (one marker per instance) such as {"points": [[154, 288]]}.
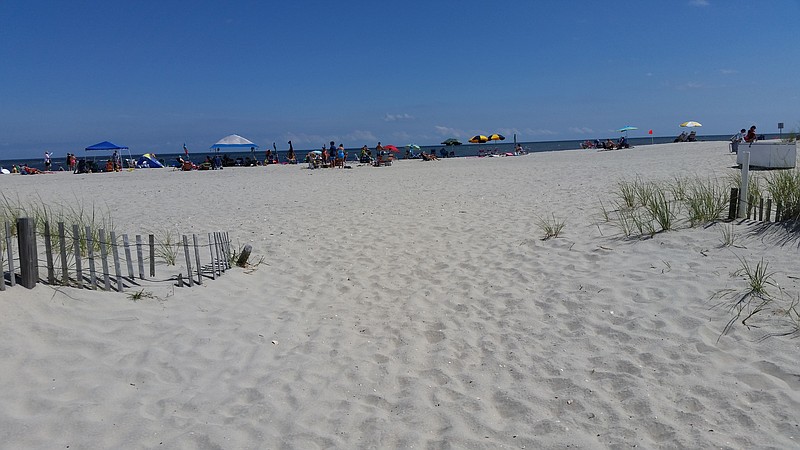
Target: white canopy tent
{"points": [[234, 141]]}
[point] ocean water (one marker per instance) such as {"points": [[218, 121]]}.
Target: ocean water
{"points": [[466, 150]]}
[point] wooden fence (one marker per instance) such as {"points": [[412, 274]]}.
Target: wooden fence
{"points": [[758, 208], [83, 258]]}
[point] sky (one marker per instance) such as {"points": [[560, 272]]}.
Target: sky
{"points": [[153, 75]]}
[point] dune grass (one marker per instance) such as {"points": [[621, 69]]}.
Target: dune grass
{"points": [[756, 298], [550, 227], [644, 208], [784, 188]]}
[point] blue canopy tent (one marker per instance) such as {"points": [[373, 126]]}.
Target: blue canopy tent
{"points": [[109, 146], [105, 145]]}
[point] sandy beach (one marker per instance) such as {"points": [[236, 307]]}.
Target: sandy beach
{"points": [[411, 306]]}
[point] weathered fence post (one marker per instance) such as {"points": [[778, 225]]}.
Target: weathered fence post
{"points": [[48, 249], [152, 242], [189, 277], [90, 257], [761, 208], [217, 259], [62, 248], [197, 260], [76, 242], [13, 277], [227, 250], [769, 208], [127, 245], [139, 256], [242, 261], [115, 254], [734, 201], [104, 256], [744, 195], [211, 250], [28, 255]]}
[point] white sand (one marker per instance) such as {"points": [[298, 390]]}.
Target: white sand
{"points": [[412, 306]]}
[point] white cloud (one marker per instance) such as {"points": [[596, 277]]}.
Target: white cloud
{"points": [[447, 131], [361, 136], [539, 132], [395, 117], [729, 71], [690, 85], [401, 136], [581, 130], [699, 3]]}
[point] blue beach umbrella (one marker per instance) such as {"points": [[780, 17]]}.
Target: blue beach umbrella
{"points": [[627, 128]]}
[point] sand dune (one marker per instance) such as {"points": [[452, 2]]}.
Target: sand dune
{"points": [[412, 306]]}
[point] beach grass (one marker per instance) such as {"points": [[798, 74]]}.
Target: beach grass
{"points": [[552, 227], [644, 208], [757, 298], [140, 295], [727, 236], [166, 247], [784, 188]]}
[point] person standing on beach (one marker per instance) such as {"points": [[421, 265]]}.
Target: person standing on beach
{"points": [[341, 154], [47, 162], [290, 157]]}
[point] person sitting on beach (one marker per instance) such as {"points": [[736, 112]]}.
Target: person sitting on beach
{"points": [[428, 156], [290, 156], [366, 155], [623, 143], [751, 135], [692, 136], [26, 170], [609, 145]]}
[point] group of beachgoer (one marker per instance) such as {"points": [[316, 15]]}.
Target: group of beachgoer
{"points": [[331, 156], [686, 137], [608, 144], [743, 135]]}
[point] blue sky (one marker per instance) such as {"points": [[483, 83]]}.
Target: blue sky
{"points": [[155, 74]]}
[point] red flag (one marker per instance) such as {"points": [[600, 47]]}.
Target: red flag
{"points": [[650, 132]]}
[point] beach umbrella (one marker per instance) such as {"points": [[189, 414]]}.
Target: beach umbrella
{"points": [[391, 148], [413, 146], [627, 128], [451, 141], [691, 124], [497, 137], [479, 139]]}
